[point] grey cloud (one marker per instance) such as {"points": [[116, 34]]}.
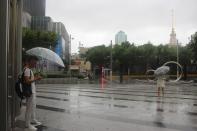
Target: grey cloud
{"points": [[142, 20]]}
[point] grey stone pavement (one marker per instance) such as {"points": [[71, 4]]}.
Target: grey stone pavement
{"points": [[127, 107]]}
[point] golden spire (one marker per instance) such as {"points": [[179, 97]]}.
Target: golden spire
{"points": [[172, 18], [173, 40]]}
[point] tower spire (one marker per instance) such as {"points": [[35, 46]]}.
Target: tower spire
{"points": [[172, 18], [173, 40]]}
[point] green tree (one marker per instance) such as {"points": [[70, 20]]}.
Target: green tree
{"points": [[98, 55], [185, 56], [121, 56], [143, 57], [193, 45], [33, 38], [147, 54]]}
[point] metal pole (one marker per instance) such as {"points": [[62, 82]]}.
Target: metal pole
{"points": [[177, 74], [70, 37], [111, 63], [12, 61], [4, 36], [18, 56]]}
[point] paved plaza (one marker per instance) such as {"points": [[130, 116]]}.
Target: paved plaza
{"points": [[126, 107]]}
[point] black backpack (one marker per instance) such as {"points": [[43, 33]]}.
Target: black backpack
{"points": [[19, 86]]}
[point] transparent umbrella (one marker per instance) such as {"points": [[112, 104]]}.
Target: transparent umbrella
{"points": [[47, 54], [163, 70]]}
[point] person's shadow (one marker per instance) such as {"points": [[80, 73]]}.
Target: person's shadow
{"points": [[41, 128], [159, 118], [21, 125]]}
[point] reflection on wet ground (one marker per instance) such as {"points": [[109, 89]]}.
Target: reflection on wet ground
{"points": [[142, 93], [20, 127], [86, 107]]}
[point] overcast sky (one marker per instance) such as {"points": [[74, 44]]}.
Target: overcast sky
{"points": [[95, 22]]}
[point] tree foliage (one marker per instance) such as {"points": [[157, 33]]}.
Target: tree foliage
{"points": [[193, 45], [185, 55], [98, 55], [33, 38], [146, 55]]}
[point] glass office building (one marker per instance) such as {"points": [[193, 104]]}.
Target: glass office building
{"points": [[120, 37], [42, 23], [34, 7], [60, 29]]}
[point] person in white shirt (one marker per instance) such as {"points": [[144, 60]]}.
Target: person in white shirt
{"points": [[29, 78], [161, 81]]}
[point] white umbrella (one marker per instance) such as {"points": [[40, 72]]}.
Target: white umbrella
{"points": [[47, 54], [163, 70]]}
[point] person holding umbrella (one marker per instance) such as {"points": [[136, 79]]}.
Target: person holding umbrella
{"points": [[29, 79], [161, 85], [160, 74], [34, 54]]}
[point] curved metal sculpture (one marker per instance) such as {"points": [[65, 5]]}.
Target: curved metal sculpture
{"points": [[164, 69], [174, 62], [148, 71]]}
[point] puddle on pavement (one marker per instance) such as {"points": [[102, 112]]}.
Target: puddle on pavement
{"points": [[159, 124], [52, 98], [121, 106], [192, 113], [50, 108]]}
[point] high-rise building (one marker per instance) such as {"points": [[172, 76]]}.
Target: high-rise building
{"points": [[43, 23], [34, 7], [35, 19], [60, 29], [120, 37], [173, 40], [62, 48], [83, 50], [26, 20]]}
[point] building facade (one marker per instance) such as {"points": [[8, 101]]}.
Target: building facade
{"points": [[34, 7], [173, 40], [42, 23], [120, 37], [63, 45], [79, 61], [60, 47], [35, 19], [26, 20], [74, 56], [60, 29], [83, 50]]}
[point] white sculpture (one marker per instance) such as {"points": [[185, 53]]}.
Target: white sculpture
{"points": [[161, 73], [163, 70]]}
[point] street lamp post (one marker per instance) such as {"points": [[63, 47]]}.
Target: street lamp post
{"points": [[177, 74], [111, 63], [70, 39]]}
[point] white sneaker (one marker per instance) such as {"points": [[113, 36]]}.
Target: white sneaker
{"points": [[35, 122], [31, 128]]}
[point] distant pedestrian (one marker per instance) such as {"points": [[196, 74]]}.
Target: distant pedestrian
{"points": [[29, 79]]}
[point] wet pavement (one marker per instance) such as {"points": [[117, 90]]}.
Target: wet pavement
{"points": [[127, 107]]}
